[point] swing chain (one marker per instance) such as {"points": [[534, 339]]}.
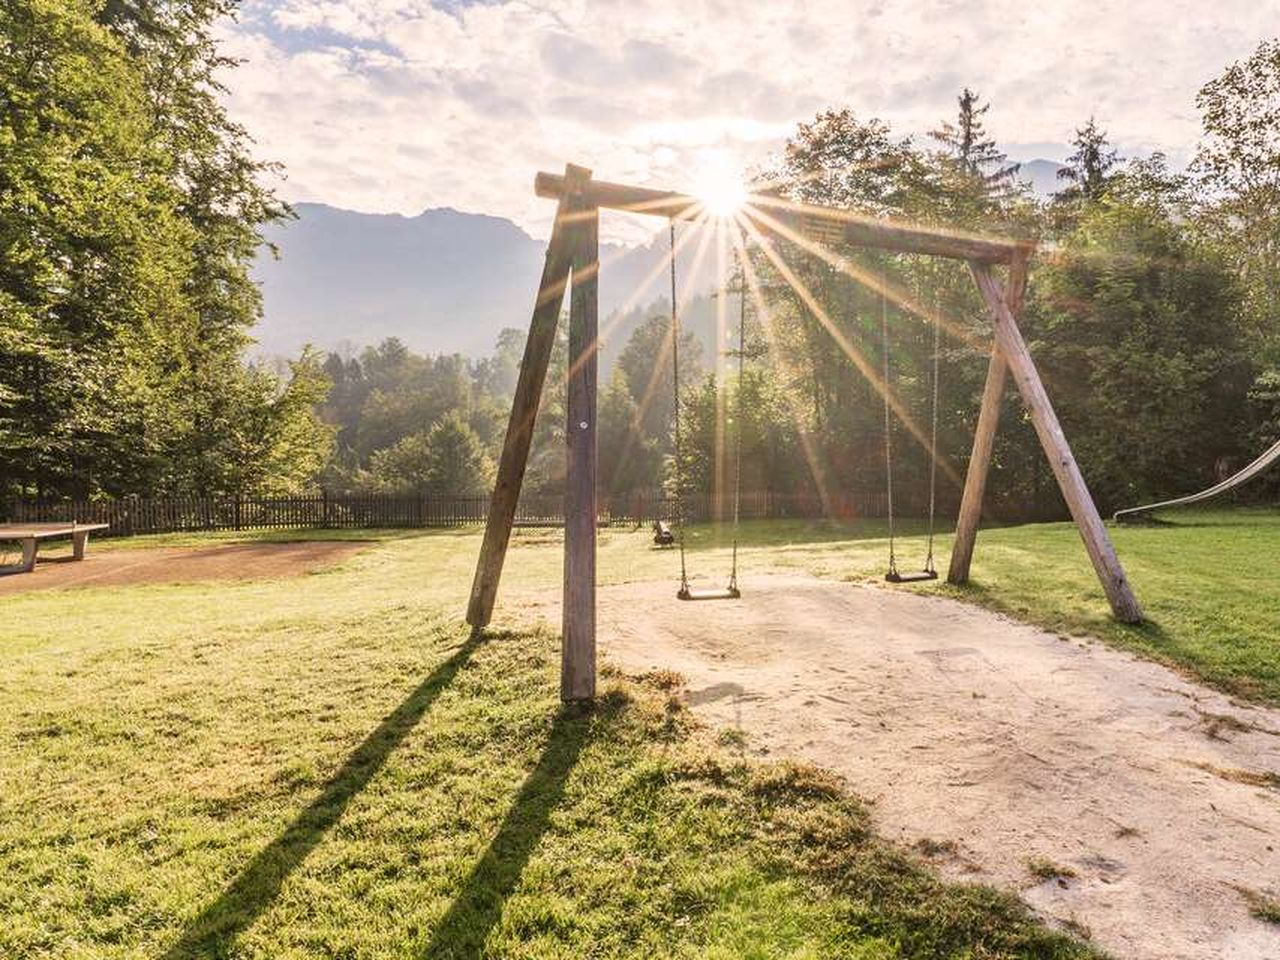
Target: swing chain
{"points": [[737, 444], [675, 379], [888, 421], [933, 436]]}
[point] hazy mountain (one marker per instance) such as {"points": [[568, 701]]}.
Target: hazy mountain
{"points": [[442, 281], [446, 281], [1042, 176]]}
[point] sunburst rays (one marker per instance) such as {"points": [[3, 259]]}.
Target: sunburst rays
{"points": [[730, 226]]}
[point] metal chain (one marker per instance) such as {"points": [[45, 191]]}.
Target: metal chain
{"points": [[737, 444], [888, 422], [933, 437], [675, 380]]}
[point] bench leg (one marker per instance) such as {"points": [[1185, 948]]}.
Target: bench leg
{"points": [[78, 542], [29, 554]]}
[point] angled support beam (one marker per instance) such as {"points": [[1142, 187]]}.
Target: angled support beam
{"points": [[578, 637], [1083, 510], [524, 410], [984, 438]]}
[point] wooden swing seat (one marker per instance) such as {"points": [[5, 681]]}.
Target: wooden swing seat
{"points": [[728, 593], [893, 576]]}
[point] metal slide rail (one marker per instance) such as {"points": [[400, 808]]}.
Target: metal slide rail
{"points": [[1248, 473]]}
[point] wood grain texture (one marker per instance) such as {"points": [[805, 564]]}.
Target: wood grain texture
{"points": [[578, 644], [984, 438], [821, 223], [1074, 490], [524, 410]]}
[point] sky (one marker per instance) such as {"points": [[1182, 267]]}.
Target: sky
{"points": [[402, 105]]}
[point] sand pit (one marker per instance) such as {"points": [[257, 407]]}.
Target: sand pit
{"points": [[234, 561], [987, 744]]}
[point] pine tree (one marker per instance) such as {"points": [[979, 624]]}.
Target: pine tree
{"points": [[970, 153], [1088, 170]]}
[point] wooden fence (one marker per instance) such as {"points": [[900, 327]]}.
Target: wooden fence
{"points": [[136, 515]]}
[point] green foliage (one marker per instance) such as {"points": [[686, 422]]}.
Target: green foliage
{"points": [[449, 458], [1119, 321], [645, 363], [129, 210], [1239, 161], [970, 157], [1089, 169]]}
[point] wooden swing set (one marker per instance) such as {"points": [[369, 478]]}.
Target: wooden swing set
{"points": [[572, 263]]}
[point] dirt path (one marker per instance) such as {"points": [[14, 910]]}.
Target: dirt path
{"points": [[233, 561], [998, 743]]}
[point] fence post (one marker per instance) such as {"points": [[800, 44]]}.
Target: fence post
{"points": [[236, 513]]}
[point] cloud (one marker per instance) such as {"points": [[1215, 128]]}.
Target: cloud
{"points": [[399, 105]]}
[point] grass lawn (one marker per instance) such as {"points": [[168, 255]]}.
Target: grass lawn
{"points": [[330, 766]]}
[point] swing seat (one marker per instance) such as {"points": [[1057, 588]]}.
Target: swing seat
{"points": [[893, 576], [728, 593]]}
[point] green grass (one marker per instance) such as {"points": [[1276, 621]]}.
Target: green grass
{"points": [[330, 766]]}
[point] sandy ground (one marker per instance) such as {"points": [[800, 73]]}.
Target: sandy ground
{"points": [[233, 561], [997, 743]]}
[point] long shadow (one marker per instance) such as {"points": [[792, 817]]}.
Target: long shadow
{"points": [[211, 933], [463, 929]]}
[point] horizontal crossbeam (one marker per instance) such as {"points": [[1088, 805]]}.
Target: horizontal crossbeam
{"points": [[825, 224]]}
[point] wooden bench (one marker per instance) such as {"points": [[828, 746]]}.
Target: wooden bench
{"points": [[30, 535]]}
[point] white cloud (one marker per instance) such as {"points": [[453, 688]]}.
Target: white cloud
{"points": [[398, 105]]}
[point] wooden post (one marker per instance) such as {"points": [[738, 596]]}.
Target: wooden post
{"points": [[578, 644], [524, 409], [984, 437], [1083, 510]]}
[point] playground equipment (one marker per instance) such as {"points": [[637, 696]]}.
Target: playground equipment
{"points": [[572, 262], [730, 591], [1236, 479]]}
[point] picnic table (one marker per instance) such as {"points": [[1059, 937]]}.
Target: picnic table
{"points": [[30, 535]]}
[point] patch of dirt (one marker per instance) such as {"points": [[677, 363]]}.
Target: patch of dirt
{"points": [[233, 561], [996, 745]]}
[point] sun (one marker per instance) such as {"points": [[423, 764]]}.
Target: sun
{"points": [[720, 189]]}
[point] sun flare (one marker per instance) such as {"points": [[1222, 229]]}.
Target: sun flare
{"points": [[720, 188]]}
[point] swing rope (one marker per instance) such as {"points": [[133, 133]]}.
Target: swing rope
{"points": [[675, 379], [730, 592], [888, 423], [929, 571], [737, 441], [933, 439]]}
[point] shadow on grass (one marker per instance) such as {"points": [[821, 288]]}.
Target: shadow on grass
{"points": [[463, 929], [211, 933]]}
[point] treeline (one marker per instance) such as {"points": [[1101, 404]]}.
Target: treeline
{"points": [[1151, 311], [435, 424], [130, 209]]}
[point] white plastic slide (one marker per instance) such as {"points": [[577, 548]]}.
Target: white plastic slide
{"points": [[1248, 473]]}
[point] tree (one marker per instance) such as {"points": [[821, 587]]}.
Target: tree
{"points": [[447, 459], [629, 459], [645, 363], [456, 459], [129, 214], [1239, 162], [1149, 392], [970, 156], [1088, 170], [840, 160]]}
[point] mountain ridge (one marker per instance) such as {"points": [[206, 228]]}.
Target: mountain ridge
{"points": [[447, 281]]}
